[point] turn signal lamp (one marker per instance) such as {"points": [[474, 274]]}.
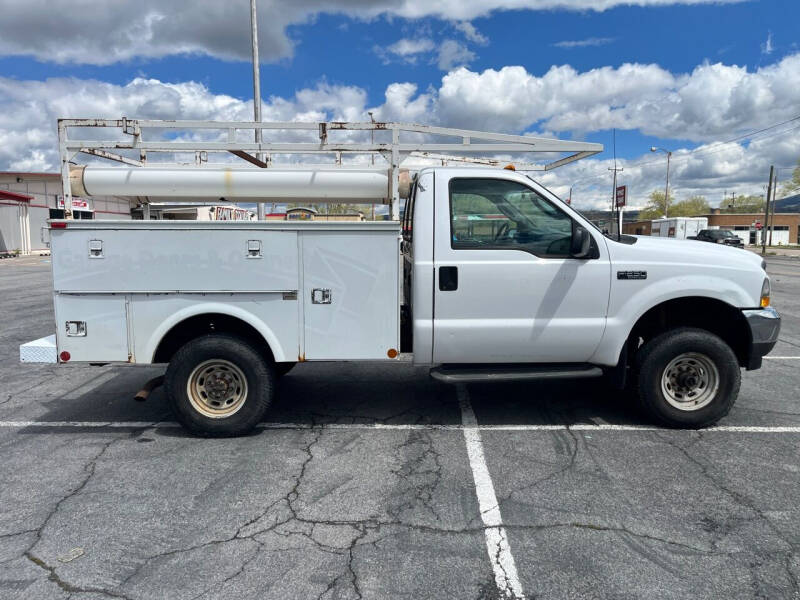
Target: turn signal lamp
{"points": [[765, 294], [510, 168]]}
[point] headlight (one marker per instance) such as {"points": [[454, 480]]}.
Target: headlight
{"points": [[765, 293]]}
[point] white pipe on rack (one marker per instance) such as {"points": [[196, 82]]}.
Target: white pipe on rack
{"points": [[313, 185]]}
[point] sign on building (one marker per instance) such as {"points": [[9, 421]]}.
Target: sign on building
{"points": [[622, 194], [77, 203]]}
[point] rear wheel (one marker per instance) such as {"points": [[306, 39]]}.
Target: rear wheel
{"points": [[219, 385], [687, 377]]}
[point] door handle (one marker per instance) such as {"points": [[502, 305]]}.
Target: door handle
{"points": [[448, 279]]}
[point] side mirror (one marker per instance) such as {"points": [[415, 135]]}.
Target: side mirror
{"points": [[581, 244]]}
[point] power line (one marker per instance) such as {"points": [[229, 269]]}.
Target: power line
{"points": [[713, 149]]}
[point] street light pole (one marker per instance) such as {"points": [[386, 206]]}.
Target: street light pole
{"points": [[666, 190], [372, 154], [256, 89]]}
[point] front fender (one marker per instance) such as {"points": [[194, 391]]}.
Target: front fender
{"points": [[630, 300]]}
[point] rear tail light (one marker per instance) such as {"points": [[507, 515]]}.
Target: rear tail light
{"points": [[64, 356], [58, 225]]}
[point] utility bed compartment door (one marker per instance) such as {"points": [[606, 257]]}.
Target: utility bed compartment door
{"points": [[104, 337], [350, 294]]}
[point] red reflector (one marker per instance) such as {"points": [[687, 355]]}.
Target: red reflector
{"points": [[58, 225], [64, 356]]}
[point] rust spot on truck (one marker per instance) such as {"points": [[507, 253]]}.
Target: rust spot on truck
{"points": [[301, 357]]}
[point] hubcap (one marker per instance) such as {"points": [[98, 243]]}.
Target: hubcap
{"points": [[217, 388], [690, 381]]}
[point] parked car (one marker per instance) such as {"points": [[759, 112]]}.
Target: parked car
{"points": [[719, 236]]}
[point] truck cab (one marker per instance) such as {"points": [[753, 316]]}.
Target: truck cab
{"points": [[504, 280]]}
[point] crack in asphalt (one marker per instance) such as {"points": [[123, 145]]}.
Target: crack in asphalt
{"points": [[423, 454], [422, 471], [89, 468], [65, 585], [571, 460], [743, 501]]}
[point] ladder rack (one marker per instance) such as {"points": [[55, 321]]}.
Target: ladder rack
{"points": [[124, 141]]}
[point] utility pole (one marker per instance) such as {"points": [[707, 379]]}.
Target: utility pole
{"points": [[256, 89], [772, 207], [766, 212]]}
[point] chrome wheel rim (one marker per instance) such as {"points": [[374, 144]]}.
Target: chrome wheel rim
{"points": [[217, 388], [690, 381]]}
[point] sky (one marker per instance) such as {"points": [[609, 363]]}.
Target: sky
{"points": [[715, 82]]}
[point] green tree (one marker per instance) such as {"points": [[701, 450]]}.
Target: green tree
{"points": [[743, 204], [793, 185], [691, 207], [655, 207]]}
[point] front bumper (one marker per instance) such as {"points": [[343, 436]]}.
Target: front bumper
{"points": [[765, 325]]}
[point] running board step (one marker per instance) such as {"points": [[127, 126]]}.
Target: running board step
{"points": [[478, 373]]}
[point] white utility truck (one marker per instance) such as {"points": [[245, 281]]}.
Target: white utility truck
{"points": [[488, 277]]}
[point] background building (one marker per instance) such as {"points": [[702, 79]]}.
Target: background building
{"points": [[27, 200], [748, 226], [785, 226]]}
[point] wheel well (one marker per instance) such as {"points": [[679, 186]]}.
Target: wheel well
{"points": [[715, 316], [205, 324]]}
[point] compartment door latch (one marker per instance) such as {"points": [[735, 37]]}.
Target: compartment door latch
{"points": [[95, 248], [76, 328], [320, 296]]}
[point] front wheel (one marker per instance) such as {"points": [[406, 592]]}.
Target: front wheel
{"points": [[687, 377], [219, 386]]}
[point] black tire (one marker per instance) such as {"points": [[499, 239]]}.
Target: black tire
{"points": [[254, 398], [282, 368], [654, 358]]}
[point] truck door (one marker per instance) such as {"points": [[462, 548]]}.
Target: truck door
{"points": [[506, 289]]}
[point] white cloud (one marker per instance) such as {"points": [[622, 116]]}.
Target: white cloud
{"points": [[101, 32], [766, 47], [453, 54], [472, 34], [711, 103], [593, 41], [405, 49]]}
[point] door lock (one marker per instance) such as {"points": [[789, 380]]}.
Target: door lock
{"points": [[320, 296]]}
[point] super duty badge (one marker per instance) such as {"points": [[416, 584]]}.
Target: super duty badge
{"points": [[631, 274]]}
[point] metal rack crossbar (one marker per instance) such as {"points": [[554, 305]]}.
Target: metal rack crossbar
{"points": [[130, 140]]}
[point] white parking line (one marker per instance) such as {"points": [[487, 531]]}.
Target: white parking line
{"points": [[411, 426], [782, 357], [505, 570]]}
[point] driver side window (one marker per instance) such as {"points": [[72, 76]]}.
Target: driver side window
{"points": [[502, 214]]}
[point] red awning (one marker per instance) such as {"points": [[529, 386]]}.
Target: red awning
{"points": [[6, 195]]}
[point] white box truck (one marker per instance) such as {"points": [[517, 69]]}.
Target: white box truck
{"points": [[489, 277], [679, 228]]}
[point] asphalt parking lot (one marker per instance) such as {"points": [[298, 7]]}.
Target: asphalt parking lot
{"points": [[374, 481]]}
